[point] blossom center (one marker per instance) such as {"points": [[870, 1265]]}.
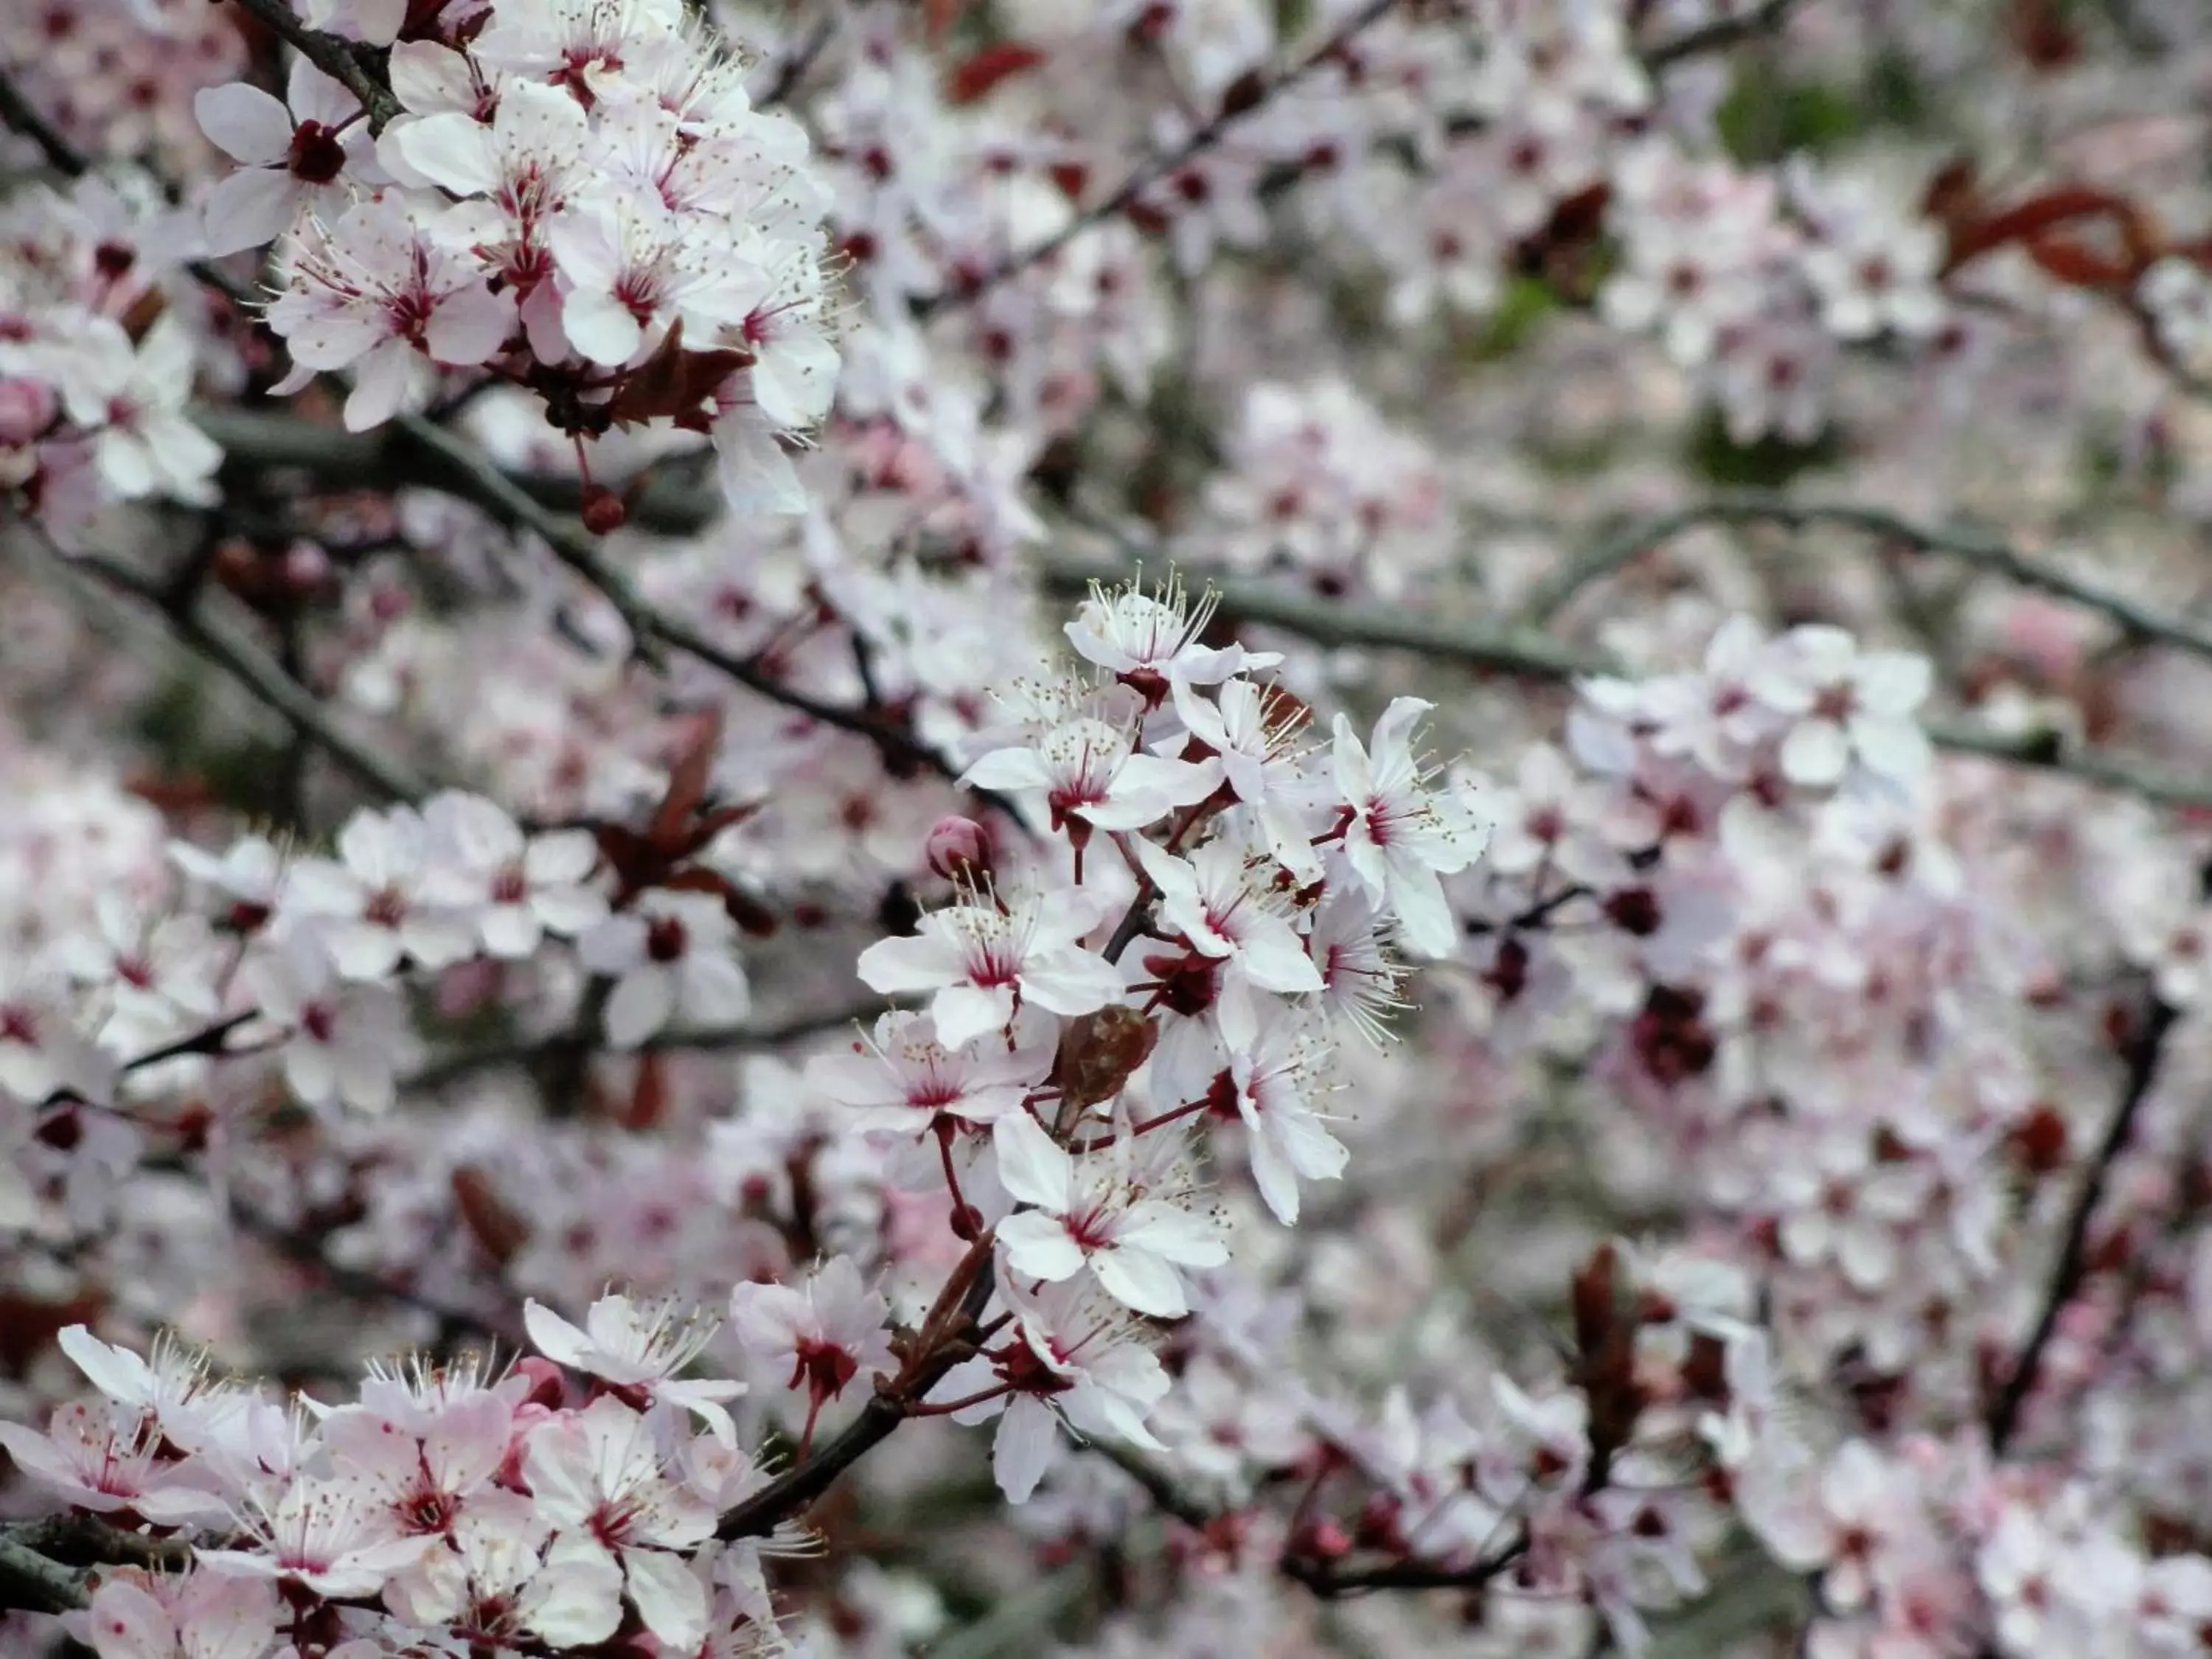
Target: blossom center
{"points": [[316, 156]]}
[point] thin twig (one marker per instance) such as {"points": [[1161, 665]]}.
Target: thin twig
{"points": [[1150, 170], [1719, 35], [1970, 547], [237, 654], [16, 110], [1534, 655], [339, 58], [2072, 1266]]}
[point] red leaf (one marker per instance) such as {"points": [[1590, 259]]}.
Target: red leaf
{"points": [[2030, 218], [648, 1094], [674, 383], [687, 783], [2070, 262], [975, 78], [498, 1231]]}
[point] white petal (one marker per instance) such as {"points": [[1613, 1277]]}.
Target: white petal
{"points": [[1027, 1440], [600, 327], [244, 122], [1141, 1281], [250, 209], [1815, 753], [640, 1005], [669, 1596], [1032, 1166], [1038, 1247], [469, 326]]}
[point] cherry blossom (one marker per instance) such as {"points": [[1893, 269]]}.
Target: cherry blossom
{"points": [[1096, 1212], [985, 959], [600, 1479], [671, 957], [294, 157], [1400, 836], [1075, 1359], [830, 1332], [370, 290], [641, 1347]]}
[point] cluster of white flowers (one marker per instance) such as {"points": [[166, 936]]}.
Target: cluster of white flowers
{"points": [[1756, 279], [95, 371], [583, 200]]}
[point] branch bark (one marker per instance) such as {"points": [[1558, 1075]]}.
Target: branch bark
{"points": [[2071, 1267], [353, 67], [1970, 547], [1535, 655], [1150, 170]]}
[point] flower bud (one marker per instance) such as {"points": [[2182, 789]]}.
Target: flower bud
{"points": [[26, 409], [603, 510], [959, 849]]}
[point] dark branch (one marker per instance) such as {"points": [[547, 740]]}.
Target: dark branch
{"points": [[1150, 172], [1969, 547], [350, 65], [42, 1562], [17, 111], [1718, 36], [2068, 1273]]}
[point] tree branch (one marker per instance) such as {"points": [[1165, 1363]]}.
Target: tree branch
{"points": [[344, 61], [1968, 546], [29, 1583], [237, 654], [17, 111], [414, 451], [1718, 36], [1150, 172], [2068, 1273], [1328, 1580], [42, 1561], [1525, 651], [450, 1068]]}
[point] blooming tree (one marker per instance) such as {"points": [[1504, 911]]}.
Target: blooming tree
{"points": [[874, 828]]}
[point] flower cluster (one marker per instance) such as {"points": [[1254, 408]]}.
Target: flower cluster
{"points": [[96, 364], [1604, 1051], [584, 203]]}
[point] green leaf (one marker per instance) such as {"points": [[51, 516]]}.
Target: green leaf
{"points": [[1768, 463]]}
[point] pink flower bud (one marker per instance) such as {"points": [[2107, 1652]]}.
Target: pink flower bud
{"points": [[959, 849], [549, 1385], [26, 409]]}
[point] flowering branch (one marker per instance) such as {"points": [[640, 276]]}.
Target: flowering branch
{"points": [[1519, 651], [942, 1342]]}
